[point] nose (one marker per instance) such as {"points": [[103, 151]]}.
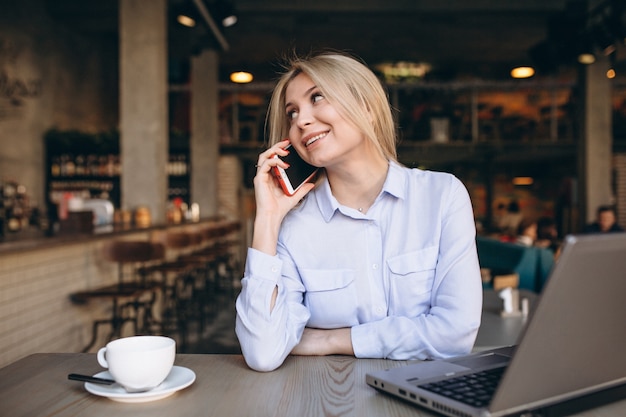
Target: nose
{"points": [[305, 117]]}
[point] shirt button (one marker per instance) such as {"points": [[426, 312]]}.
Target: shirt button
{"points": [[374, 266], [274, 269], [379, 310]]}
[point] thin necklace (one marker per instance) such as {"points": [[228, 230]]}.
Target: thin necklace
{"points": [[360, 209]]}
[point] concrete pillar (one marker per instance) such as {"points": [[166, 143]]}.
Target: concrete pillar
{"points": [[144, 130], [204, 142], [595, 152]]}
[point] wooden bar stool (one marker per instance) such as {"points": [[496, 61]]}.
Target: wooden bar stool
{"points": [[205, 307], [177, 280], [133, 296], [228, 267]]}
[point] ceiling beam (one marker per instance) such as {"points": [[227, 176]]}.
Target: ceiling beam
{"points": [[208, 19]]}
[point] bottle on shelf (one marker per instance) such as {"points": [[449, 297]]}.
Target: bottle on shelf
{"points": [[92, 165], [15, 207], [177, 165], [55, 167], [70, 166], [80, 165]]}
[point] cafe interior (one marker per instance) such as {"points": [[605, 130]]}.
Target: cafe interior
{"points": [[130, 131]]}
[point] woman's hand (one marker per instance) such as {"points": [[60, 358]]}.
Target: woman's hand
{"points": [[318, 342], [272, 204]]}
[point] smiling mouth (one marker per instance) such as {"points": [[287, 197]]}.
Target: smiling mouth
{"points": [[315, 138]]}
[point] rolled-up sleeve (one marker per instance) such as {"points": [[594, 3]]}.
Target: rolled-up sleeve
{"points": [[266, 338]]}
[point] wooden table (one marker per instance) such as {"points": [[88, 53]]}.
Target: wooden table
{"points": [[304, 386]]}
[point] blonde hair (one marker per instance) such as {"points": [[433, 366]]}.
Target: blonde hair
{"points": [[347, 84]]}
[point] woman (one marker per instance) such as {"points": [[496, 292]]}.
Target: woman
{"points": [[374, 260], [526, 232]]}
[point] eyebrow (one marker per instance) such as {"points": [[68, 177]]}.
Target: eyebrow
{"points": [[306, 93]]}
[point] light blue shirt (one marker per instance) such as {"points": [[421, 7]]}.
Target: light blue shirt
{"points": [[404, 276]]}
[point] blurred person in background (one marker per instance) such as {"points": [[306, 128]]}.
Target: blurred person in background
{"points": [[526, 232], [606, 221], [547, 234], [508, 222]]}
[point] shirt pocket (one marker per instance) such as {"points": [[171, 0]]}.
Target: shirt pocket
{"points": [[330, 296], [411, 281]]}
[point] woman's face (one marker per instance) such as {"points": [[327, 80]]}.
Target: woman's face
{"points": [[318, 132]]}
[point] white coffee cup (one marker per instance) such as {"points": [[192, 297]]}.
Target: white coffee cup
{"points": [[139, 363]]}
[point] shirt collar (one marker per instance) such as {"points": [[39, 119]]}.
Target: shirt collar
{"points": [[394, 185]]}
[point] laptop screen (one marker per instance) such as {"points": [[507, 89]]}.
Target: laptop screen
{"points": [[574, 343]]}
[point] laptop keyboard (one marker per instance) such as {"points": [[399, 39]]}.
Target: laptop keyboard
{"points": [[474, 389]]}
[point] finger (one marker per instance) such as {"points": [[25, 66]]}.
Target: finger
{"points": [[268, 155], [278, 147], [266, 165]]}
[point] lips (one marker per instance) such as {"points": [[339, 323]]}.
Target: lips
{"points": [[311, 139]]}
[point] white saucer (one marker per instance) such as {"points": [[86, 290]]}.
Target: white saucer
{"points": [[178, 379]]}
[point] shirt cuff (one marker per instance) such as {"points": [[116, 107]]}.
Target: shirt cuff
{"points": [[264, 266], [365, 341]]}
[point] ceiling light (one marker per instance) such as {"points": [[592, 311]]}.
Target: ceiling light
{"points": [[225, 12], [229, 20], [586, 58], [522, 72], [241, 77], [523, 181], [585, 50], [403, 71], [185, 20]]}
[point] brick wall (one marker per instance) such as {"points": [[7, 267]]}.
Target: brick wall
{"points": [[36, 314]]}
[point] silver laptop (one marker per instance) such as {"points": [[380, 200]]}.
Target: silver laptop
{"points": [[572, 348]]}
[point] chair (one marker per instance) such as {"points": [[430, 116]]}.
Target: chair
{"points": [[178, 275], [132, 299], [223, 265], [204, 256], [531, 264]]}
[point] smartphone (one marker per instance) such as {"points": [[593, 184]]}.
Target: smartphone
{"points": [[298, 173]]}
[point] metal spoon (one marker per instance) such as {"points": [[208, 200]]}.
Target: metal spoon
{"points": [[104, 381], [93, 379]]}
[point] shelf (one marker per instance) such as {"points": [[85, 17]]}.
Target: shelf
{"points": [[89, 166]]}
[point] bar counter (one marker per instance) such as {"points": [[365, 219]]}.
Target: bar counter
{"points": [[36, 240], [37, 275]]}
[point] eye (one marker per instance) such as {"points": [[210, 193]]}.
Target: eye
{"points": [[317, 96], [292, 114]]}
